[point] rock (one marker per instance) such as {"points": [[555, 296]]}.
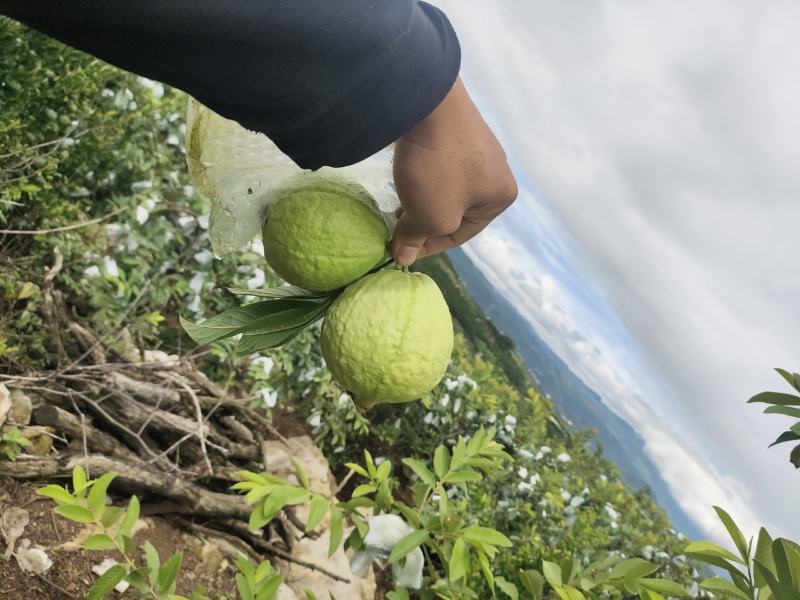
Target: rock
{"points": [[5, 403], [300, 578], [12, 525], [161, 357], [21, 407], [41, 439], [104, 566], [32, 559], [285, 593]]}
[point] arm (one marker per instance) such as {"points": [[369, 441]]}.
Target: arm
{"points": [[329, 81]]}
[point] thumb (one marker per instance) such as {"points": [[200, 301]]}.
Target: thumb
{"points": [[407, 241]]}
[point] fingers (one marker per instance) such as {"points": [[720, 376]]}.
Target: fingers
{"points": [[407, 241], [442, 243]]}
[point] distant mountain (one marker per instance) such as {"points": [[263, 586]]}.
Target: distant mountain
{"points": [[575, 400]]}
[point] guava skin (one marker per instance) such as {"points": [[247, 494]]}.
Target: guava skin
{"points": [[324, 234], [388, 338]]}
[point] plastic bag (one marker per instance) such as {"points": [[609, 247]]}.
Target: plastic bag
{"points": [[242, 171]]}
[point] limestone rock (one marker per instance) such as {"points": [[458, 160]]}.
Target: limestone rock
{"points": [[21, 407], [32, 559], [5, 403]]}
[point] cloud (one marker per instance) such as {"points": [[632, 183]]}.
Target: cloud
{"points": [[667, 144]]}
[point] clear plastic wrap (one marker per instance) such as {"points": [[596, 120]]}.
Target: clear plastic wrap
{"points": [[242, 171]]}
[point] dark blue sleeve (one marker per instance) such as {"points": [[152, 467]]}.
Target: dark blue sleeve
{"points": [[329, 81]]}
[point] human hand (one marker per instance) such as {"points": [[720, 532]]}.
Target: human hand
{"points": [[452, 178]]}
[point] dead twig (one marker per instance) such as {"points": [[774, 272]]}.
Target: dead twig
{"points": [[60, 229]]}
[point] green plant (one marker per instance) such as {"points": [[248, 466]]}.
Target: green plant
{"points": [[768, 571], [12, 442], [785, 404], [141, 565]]}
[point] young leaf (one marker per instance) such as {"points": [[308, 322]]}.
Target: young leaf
{"points": [[552, 573], [57, 493], [98, 541], [370, 464], [533, 582], [462, 476], [269, 588], [421, 470], [441, 461], [508, 588], [336, 528], [316, 512], [663, 586], [75, 513], [710, 549], [168, 573], [243, 585], [407, 544], [723, 587], [364, 489], [302, 476], [97, 493], [486, 569], [357, 469], [397, 594], [459, 560], [383, 470], [485, 535], [111, 514], [131, 515], [106, 582], [153, 562], [736, 534], [79, 480]]}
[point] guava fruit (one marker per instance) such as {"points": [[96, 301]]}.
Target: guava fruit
{"points": [[323, 233], [388, 337]]}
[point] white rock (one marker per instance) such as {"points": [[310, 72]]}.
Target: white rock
{"points": [[32, 559], [12, 525], [5, 403]]}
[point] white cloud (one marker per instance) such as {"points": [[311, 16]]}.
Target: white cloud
{"points": [[667, 142]]}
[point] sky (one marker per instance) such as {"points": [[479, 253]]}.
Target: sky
{"points": [[656, 238]]}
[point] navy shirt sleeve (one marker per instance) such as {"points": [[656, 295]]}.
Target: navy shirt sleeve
{"points": [[329, 81]]}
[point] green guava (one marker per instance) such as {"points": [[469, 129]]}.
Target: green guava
{"points": [[388, 338], [323, 233]]}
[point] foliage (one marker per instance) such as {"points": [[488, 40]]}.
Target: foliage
{"points": [[87, 503], [11, 443], [788, 405], [768, 570]]}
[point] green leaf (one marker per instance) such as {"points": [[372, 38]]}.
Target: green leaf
{"points": [[769, 578], [131, 515], [106, 582], [398, 594], [309, 594], [485, 535], [286, 291], [363, 490], [462, 475], [407, 544], [711, 549], [336, 528], [357, 469], [459, 559], [57, 493], [98, 541], [632, 568], [722, 586], [111, 514], [508, 588], [789, 411], [486, 568], [168, 573], [421, 470], [441, 461], [552, 573], [776, 398], [75, 513], [316, 512], [79, 480], [383, 470], [370, 464], [243, 585], [569, 593], [274, 335], [302, 476], [97, 493], [153, 562], [786, 436], [663, 586], [793, 379], [782, 569], [270, 315], [533, 582], [763, 555], [736, 534], [269, 588]]}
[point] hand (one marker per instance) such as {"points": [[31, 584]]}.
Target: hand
{"points": [[452, 178]]}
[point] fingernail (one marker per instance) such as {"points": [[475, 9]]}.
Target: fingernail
{"points": [[406, 255]]}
